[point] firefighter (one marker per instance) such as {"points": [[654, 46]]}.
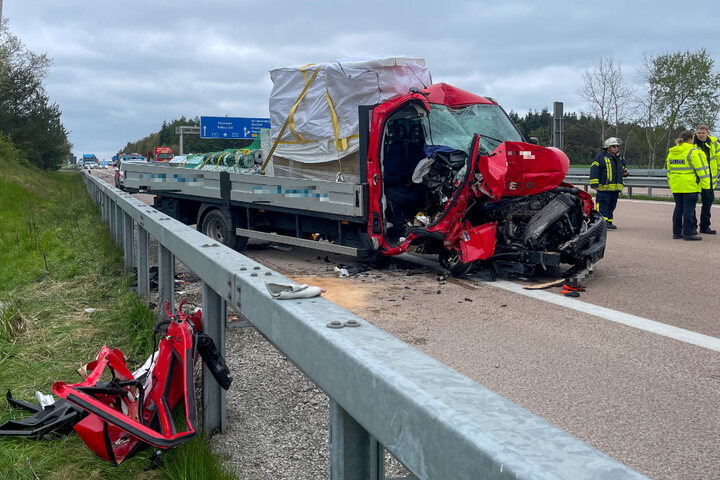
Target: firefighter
{"points": [[688, 174], [709, 146], [606, 177]]}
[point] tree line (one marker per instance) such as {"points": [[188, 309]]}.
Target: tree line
{"points": [[28, 119], [678, 91], [167, 137]]}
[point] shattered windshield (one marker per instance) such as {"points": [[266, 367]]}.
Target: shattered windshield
{"points": [[455, 127]]}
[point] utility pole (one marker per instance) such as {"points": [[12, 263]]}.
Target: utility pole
{"points": [[1, 10]]}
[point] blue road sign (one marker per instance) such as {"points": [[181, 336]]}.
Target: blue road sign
{"points": [[232, 128]]}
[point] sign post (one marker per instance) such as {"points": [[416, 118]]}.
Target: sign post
{"points": [[558, 125], [183, 129], [232, 128]]}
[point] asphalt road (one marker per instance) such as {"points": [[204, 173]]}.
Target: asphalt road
{"points": [[647, 396], [649, 400]]}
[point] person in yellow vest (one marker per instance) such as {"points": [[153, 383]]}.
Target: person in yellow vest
{"points": [[709, 146], [688, 173], [606, 177]]}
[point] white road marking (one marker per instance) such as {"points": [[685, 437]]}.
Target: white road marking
{"points": [[670, 202], [687, 336]]}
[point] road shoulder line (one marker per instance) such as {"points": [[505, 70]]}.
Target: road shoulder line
{"points": [[652, 326]]}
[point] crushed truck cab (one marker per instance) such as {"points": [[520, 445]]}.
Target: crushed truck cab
{"points": [[449, 174]]}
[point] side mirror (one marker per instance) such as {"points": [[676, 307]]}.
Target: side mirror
{"points": [[534, 141]]}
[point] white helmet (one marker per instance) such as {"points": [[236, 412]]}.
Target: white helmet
{"points": [[612, 141]]}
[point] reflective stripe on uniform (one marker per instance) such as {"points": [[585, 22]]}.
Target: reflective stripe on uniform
{"points": [[608, 165]]}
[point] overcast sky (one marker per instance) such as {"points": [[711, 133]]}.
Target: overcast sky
{"points": [[121, 68]]}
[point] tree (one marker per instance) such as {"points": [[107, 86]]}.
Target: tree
{"points": [[683, 91], [607, 94], [26, 113], [649, 115], [686, 88]]}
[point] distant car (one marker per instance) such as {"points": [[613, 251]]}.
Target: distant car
{"points": [[120, 169]]}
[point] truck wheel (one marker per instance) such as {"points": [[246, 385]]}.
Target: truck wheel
{"points": [[451, 261], [219, 226]]}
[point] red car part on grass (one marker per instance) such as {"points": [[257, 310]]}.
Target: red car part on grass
{"points": [[134, 409]]}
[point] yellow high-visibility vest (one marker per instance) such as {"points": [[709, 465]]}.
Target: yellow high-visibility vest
{"points": [[687, 169]]}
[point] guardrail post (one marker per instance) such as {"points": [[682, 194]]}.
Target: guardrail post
{"points": [[143, 275], [128, 241], [166, 280], [111, 217], [629, 191], [101, 205], [214, 315], [119, 214], [104, 200], [354, 453]]}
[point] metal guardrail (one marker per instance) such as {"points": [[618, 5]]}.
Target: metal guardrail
{"points": [[384, 394], [639, 178]]}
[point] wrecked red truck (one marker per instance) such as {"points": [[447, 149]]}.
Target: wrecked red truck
{"points": [[433, 170]]}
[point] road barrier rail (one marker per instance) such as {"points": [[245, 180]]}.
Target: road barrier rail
{"points": [[384, 394], [638, 178]]}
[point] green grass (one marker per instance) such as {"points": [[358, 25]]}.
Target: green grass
{"points": [[57, 259]]}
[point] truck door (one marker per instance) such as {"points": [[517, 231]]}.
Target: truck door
{"points": [[396, 143]]}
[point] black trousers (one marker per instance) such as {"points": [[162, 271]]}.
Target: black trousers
{"points": [[607, 201], [707, 196], [684, 214]]}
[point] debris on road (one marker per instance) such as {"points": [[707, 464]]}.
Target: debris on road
{"points": [[341, 272], [282, 248], [542, 286], [282, 291]]}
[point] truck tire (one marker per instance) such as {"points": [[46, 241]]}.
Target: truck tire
{"points": [[451, 261], [219, 226]]}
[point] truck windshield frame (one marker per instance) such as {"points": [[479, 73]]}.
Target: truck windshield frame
{"points": [[455, 127]]}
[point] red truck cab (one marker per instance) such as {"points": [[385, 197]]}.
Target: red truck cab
{"points": [[449, 174], [162, 154]]}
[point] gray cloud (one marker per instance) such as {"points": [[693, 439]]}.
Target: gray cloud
{"points": [[122, 68]]}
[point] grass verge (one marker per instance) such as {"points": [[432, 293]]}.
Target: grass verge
{"points": [[64, 295]]}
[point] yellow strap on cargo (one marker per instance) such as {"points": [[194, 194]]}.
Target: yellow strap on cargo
{"points": [[340, 143], [303, 69], [291, 115], [288, 119], [205, 161]]}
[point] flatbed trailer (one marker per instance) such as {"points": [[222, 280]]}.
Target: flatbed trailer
{"points": [[233, 207]]}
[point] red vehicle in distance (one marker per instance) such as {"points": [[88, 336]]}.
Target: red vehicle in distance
{"points": [[162, 154]]}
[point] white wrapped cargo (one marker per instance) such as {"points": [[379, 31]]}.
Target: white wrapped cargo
{"points": [[322, 123]]}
